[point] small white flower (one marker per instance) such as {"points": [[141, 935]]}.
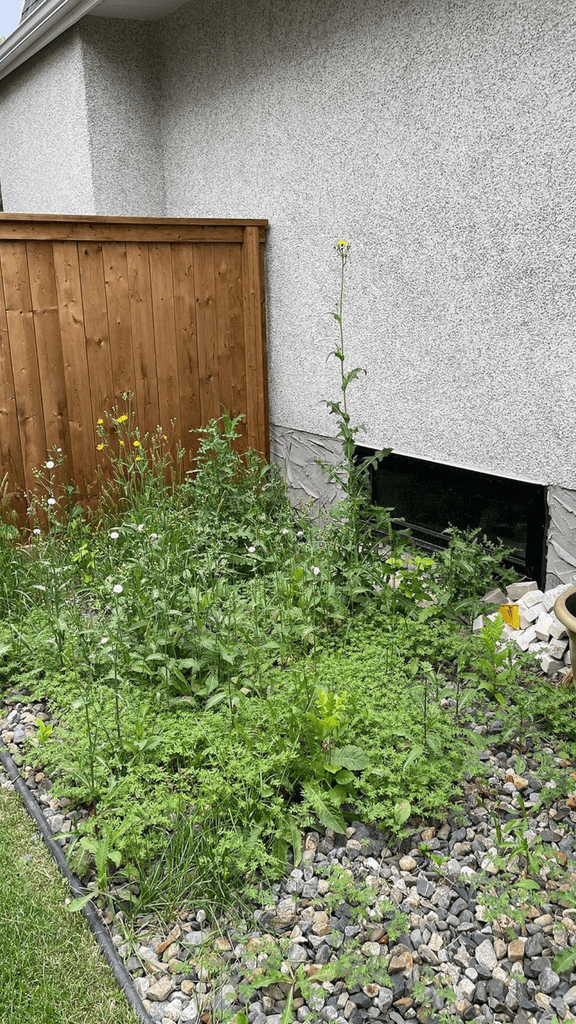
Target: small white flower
{"points": [[114, 535], [37, 531], [104, 640], [140, 527], [49, 464], [59, 450], [51, 501], [117, 588], [251, 550], [153, 536], [285, 531], [300, 533], [315, 570]]}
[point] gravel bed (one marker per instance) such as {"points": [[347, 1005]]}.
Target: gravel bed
{"points": [[444, 960]]}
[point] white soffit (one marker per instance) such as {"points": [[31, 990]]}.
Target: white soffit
{"points": [[50, 18], [140, 10]]}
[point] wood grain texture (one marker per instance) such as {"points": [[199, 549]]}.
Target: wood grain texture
{"points": [[22, 339], [186, 349], [162, 290], [11, 464], [81, 418], [170, 310], [143, 336], [230, 333], [205, 295], [256, 384]]}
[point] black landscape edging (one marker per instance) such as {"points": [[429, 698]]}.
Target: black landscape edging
{"points": [[97, 928]]}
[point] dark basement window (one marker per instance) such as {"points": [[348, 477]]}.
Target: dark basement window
{"points": [[427, 497]]}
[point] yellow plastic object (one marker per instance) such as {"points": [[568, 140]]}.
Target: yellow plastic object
{"points": [[511, 615]]}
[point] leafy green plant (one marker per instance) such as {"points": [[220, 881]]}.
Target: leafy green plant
{"points": [[352, 476]]}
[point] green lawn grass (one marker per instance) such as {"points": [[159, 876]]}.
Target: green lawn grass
{"points": [[51, 969]]}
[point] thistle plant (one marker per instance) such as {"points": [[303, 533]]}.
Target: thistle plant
{"points": [[352, 477]]}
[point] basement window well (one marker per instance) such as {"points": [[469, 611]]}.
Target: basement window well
{"points": [[428, 497]]}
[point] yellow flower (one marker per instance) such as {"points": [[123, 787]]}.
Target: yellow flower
{"points": [[164, 438], [100, 422], [122, 419], [122, 443], [342, 247], [136, 444], [138, 459], [99, 447]]}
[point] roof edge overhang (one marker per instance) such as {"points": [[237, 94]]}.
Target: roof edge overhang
{"points": [[47, 21]]}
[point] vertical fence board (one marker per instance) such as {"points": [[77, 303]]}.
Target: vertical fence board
{"points": [[24, 360], [73, 339], [119, 320], [187, 348], [143, 337], [49, 351], [11, 463], [229, 307], [162, 287], [171, 310], [256, 390], [207, 331], [96, 328]]}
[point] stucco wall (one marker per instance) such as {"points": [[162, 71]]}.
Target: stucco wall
{"points": [[122, 85], [44, 158], [438, 137]]}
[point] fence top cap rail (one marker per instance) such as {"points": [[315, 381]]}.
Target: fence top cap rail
{"points": [[56, 218]]}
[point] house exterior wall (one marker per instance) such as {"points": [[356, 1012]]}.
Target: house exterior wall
{"points": [[45, 164], [436, 135], [122, 88]]}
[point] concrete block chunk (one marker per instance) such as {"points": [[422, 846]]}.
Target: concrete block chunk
{"points": [[558, 649], [517, 590], [550, 665], [544, 625], [558, 631], [525, 638], [529, 615], [495, 597]]}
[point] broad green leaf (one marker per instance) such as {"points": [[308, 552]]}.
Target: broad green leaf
{"points": [[564, 960], [415, 753], [75, 905], [353, 758], [328, 815]]}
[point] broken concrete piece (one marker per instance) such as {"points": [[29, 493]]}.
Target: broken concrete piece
{"points": [[529, 615], [478, 624], [550, 665], [531, 598], [544, 626], [517, 590], [558, 631], [525, 638], [495, 597], [558, 648]]}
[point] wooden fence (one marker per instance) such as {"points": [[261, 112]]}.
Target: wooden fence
{"points": [[91, 307]]}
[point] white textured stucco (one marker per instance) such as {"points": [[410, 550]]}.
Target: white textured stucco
{"points": [[122, 89], [438, 137], [44, 158]]}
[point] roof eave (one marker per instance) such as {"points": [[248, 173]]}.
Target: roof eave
{"points": [[47, 22]]}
